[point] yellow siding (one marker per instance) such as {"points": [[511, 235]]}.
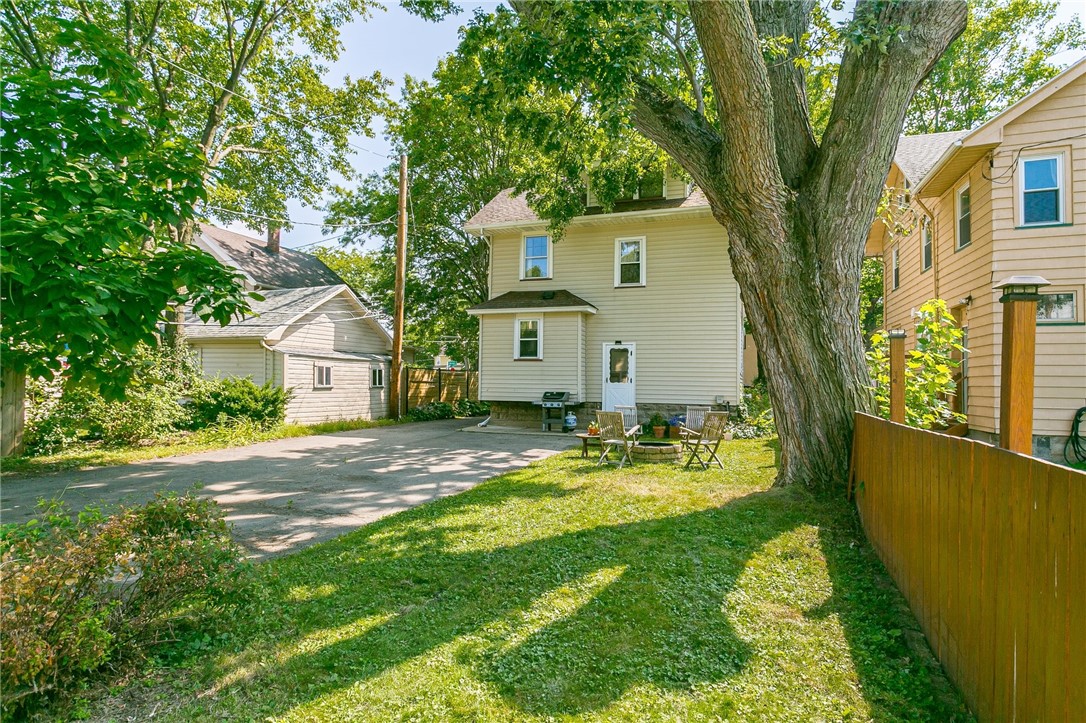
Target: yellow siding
{"points": [[1057, 253], [234, 358], [685, 321], [351, 396], [503, 378]]}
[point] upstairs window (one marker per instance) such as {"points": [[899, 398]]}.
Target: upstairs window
{"points": [[925, 244], [964, 213], [630, 261], [651, 185], [529, 341], [895, 270], [1040, 188], [537, 258], [322, 377]]}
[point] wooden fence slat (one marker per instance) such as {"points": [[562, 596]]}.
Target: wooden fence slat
{"points": [[988, 548]]}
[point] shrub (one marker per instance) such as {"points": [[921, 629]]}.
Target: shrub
{"points": [[434, 410], [98, 589], [471, 408], [929, 368], [218, 401], [753, 417]]}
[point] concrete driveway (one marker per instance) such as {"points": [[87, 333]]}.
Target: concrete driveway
{"points": [[287, 494]]}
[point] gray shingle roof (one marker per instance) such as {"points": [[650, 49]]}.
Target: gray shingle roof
{"points": [[508, 207], [288, 269], [542, 299], [917, 154], [279, 307]]}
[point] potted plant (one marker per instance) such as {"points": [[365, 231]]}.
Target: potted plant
{"points": [[658, 424], [675, 424]]}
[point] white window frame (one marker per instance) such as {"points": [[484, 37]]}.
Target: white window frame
{"points": [[317, 380], [641, 263], [1058, 157], [1075, 319], [895, 269], [958, 216], [523, 257], [927, 244], [378, 374], [539, 337]]}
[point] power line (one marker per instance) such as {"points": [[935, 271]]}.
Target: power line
{"points": [[306, 125], [287, 221]]}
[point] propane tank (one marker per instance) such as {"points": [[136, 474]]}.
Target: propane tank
{"points": [[571, 422]]}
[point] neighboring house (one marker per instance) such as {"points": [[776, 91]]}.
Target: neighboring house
{"points": [[321, 342], [264, 265], [1005, 199], [635, 306]]}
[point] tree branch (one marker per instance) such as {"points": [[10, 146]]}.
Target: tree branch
{"points": [[792, 131], [691, 73], [222, 153]]}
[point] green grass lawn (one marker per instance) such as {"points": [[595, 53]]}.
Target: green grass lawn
{"points": [[566, 592], [205, 440]]}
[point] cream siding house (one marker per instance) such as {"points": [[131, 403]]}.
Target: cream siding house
{"points": [[637, 306], [1006, 199], [322, 343]]}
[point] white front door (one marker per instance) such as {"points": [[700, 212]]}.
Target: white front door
{"points": [[618, 376]]}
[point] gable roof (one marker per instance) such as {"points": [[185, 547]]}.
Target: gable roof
{"points": [[288, 269], [530, 300], [280, 308], [512, 209], [917, 154]]}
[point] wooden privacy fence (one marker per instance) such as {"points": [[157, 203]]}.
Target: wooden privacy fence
{"points": [[440, 385], [988, 548]]}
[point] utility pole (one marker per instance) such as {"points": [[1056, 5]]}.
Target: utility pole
{"points": [[401, 276]]}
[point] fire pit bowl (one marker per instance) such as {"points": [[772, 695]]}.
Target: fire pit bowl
{"points": [[657, 452]]}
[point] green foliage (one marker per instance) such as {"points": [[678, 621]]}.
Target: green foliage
{"points": [[431, 411], [1003, 54], [471, 408], [929, 368], [89, 189], [59, 414], [229, 400], [753, 417], [871, 297], [657, 420], [97, 590]]}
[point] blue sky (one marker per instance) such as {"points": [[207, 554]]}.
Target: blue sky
{"points": [[398, 44]]}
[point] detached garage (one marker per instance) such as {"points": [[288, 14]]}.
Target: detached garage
{"points": [[321, 342]]}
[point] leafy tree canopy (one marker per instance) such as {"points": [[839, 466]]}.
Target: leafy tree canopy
{"points": [[90, 188]]}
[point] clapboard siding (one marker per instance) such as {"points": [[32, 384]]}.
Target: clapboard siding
{"points": [[337, 325], [244, 358], [350, 397], [685, 321]]}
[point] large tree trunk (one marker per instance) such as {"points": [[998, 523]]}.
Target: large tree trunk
{"points": [[13, 414]]}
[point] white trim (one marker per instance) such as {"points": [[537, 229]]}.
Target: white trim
{"points": [[605, 379], [1075, 318], [317, 376], [550, 256], [539, 337], [1023, 160], [895, 268], [641, 262], [927, 239], [378, 370], [546, 310], [958, 215]]}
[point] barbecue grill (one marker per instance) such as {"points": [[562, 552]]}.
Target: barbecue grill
{"points": [[554, 408]]}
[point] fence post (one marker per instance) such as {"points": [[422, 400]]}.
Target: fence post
{"points": [[1019, 301], [897, 375]]}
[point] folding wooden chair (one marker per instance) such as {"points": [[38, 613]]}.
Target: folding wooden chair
{"points": [[704, 446], [629, 419], [614, 438], [695, 420]]}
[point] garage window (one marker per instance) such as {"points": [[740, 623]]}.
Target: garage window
{"points": [[377, 377], [322, 377]]}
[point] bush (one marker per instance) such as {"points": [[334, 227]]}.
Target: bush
{"points": [[99, 589], [471, 408], [434, 410], [232, 399], [753, 417]]}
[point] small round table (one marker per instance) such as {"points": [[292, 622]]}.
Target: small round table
{"points": [[584, 437]]}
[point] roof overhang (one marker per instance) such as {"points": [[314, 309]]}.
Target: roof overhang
{"points": [[601, 219], [951, 166], [586, 309]]}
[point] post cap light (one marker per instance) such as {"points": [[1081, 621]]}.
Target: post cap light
{"points": [[1021, 288], [896, 333]]}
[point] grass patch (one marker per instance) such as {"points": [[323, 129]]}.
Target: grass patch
{"points": [[562, 591], [205, 440]]}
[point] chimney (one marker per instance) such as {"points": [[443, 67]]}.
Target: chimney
{"points": [[273, 239]]}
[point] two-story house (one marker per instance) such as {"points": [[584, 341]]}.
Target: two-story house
{"points": [[1005, 199], [636, 306]]}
